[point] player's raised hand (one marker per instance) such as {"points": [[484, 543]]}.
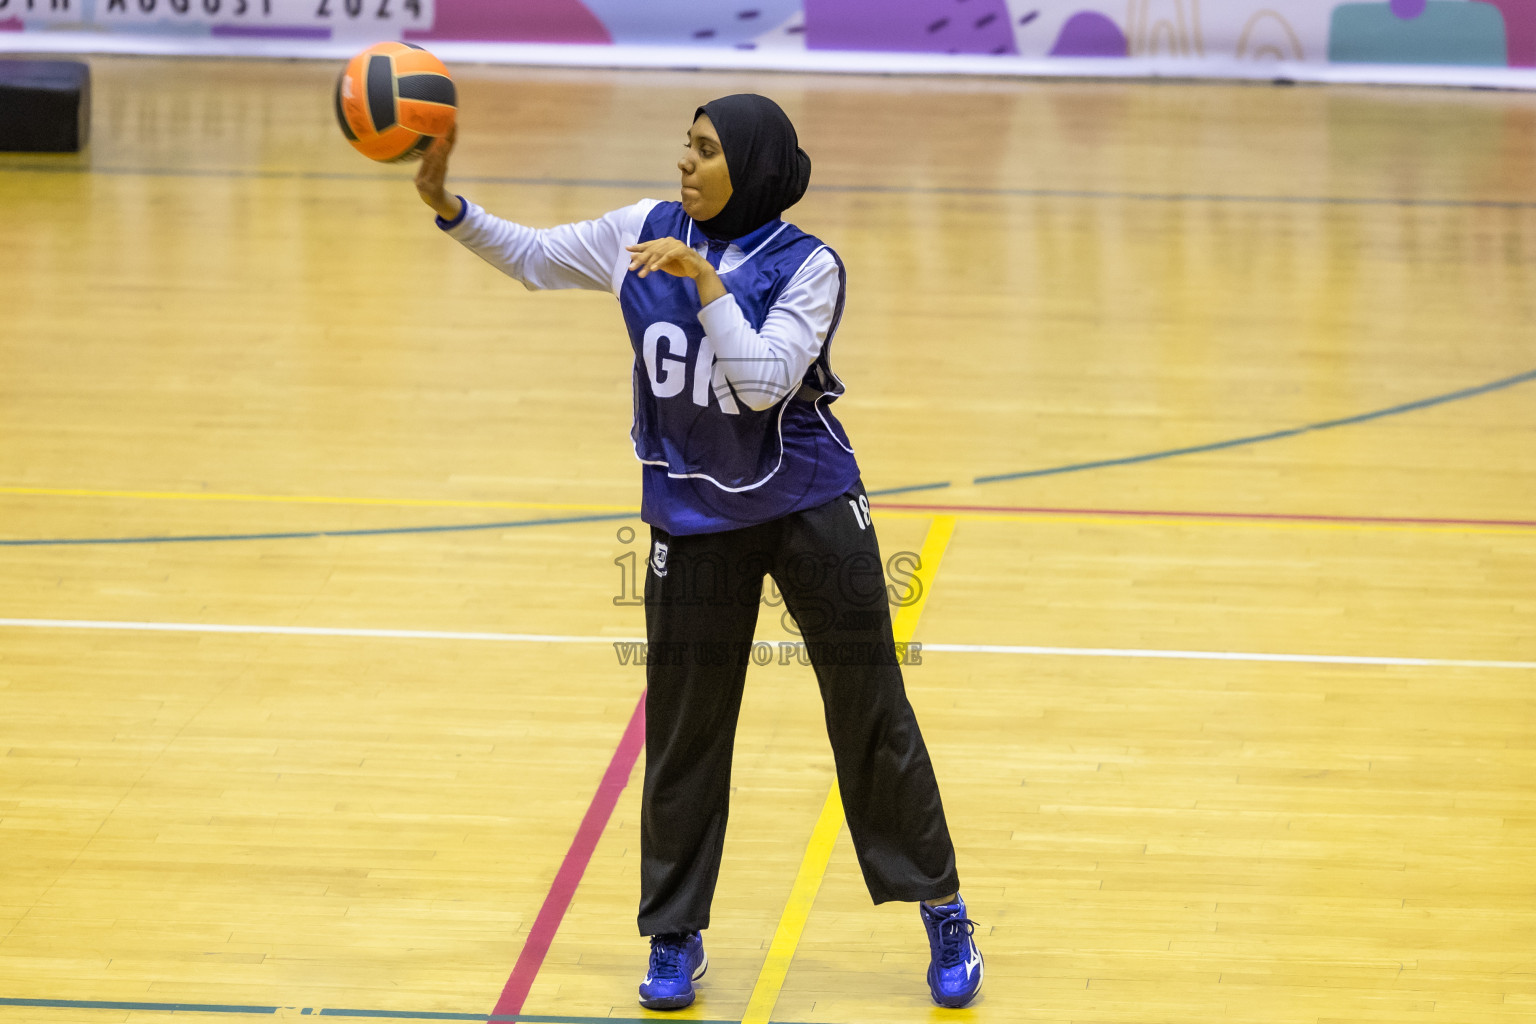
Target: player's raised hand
{"points": [[433, 172], [669, 255]]}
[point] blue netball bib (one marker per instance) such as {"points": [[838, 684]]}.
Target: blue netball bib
{"points": [[711, 462]]}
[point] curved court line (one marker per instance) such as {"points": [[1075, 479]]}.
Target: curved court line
{"points": [[310, 534], [209, 538], [300, 499], [1423, 403], [928, 190], [903, 490], [1395, 410], [998, 513], [340, 499]]}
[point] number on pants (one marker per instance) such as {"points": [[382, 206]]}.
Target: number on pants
{"points": [[860, 511]]}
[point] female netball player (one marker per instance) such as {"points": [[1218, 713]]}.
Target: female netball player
{"points": [[731, 314]]}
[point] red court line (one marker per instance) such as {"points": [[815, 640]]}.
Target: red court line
{"points": [[573, 867], [1293, 517]]}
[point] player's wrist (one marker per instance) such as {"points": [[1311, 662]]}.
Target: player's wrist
{"points": [[709, 286], [450, 210]]}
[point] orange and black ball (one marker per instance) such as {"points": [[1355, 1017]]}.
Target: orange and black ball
{"points": [[393, 99]]}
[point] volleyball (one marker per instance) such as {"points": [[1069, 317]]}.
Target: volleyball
{"points": [[393, 99]]}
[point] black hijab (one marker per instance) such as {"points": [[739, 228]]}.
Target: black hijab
{"points": [[769, 170]]}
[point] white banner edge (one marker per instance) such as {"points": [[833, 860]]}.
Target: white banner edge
{"points": [[691, 58]]}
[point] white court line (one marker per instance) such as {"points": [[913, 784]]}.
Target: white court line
{"points": [[1311, 659], [548, 638], [381, 634]]}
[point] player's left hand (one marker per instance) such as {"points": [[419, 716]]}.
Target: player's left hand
{"points": [[432, 173], [669, 255]]}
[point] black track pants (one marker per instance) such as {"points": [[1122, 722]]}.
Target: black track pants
{"points": [[701, 599]]}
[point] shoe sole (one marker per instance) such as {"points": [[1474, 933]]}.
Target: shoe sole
{"points": [[676, 1002], [968, 1000]]}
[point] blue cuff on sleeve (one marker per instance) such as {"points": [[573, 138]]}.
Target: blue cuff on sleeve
{"points": [[449, 225]]}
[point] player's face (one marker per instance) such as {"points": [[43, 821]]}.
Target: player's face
{"points": [[706, 178]]}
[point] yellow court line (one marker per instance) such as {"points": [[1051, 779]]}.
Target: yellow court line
{"points": [[303, 499], [813, 867]]}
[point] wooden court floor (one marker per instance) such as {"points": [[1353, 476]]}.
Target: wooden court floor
{"points": [[1213, 408]]}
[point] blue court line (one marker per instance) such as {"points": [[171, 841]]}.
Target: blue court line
{"points": [[669, 186], [204, 538], [1395, 410], [903, 490], [1423, 403], [101, 1004], [380, 532], [525, 1018]]}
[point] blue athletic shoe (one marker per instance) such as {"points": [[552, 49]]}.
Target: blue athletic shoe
{"points": [[677, 961], [954, 975]]}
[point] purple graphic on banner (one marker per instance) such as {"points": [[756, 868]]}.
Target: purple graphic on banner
{"points": [[1520, 30], [1090, 34], [526, 21], [272, 31], [1409, 9], [718, 23], [13, 25], [916, 26]]}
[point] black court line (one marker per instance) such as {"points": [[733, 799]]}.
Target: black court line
{"points": [[920, 190]]}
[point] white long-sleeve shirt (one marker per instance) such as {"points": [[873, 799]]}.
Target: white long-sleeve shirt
{"points": [[593, 255]]}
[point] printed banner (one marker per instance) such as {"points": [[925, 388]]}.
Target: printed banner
{"points": [[1202, 36], [295, 19]]}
